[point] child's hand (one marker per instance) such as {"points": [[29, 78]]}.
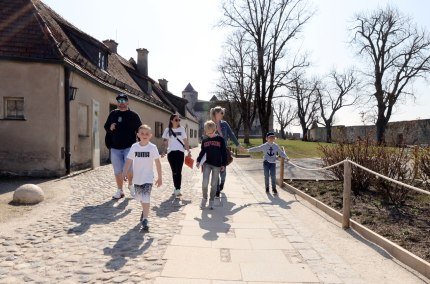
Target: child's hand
{"points": [[222, 168], [158, 182], [124, 176]]}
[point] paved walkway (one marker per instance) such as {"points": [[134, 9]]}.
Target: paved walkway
{"points": [[250, 237]]}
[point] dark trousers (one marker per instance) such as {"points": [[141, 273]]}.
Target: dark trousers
{"points": [[176, 161], [269, 170]]}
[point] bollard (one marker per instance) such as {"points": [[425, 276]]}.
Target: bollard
{"points": [[281, 172], [346, 211]]}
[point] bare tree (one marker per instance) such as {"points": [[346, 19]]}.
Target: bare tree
{"points": [[237, 80], [284, 113], [398, 53], [338, 93], [304, 92], [270, 25]]}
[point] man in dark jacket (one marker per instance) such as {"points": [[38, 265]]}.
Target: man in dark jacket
{"points": [[121, 127]]}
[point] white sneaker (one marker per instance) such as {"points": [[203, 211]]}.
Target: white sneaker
{"points": [[131, 188], [119, 194], [178, 192]]}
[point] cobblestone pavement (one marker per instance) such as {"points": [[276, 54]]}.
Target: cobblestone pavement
{"points": [[91, 238]]}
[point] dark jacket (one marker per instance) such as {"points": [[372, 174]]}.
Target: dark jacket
{"points": [[127, 124]]}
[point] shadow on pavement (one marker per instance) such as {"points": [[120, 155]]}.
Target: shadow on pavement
{"points": [[169, 206], [127, 246], [276, 200], [104, 213], [215, 221], [375, 247]]}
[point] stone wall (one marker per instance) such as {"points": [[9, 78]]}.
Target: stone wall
{"points": [[414, 132]]}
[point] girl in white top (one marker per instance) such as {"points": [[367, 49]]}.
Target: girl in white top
{"points": [[175, 143], [142, 155]]}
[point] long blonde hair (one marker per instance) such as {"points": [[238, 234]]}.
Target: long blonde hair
{"points": [[215, 110]]}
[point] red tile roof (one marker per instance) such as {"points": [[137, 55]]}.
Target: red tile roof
{"points": [[23, 34], [30, 30]]}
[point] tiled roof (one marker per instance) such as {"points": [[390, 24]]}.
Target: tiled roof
{"points": [[23, 34], [189, 88], [34, 31]]}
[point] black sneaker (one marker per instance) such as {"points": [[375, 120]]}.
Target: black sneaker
{"points": [[275, 192], [267, 190], [145, 225]]}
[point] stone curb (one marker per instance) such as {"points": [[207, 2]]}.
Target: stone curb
{"points": [[401, 254]]}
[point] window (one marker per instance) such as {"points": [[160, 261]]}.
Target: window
{"points": [[14, 108], [102, 63], [195, 133], [191, 133], [83, 120], [158, 129]]}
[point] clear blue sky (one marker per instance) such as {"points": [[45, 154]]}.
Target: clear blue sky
{"points": [[185, 45]]}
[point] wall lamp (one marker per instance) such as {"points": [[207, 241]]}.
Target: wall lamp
{"points": [[72, 93]]}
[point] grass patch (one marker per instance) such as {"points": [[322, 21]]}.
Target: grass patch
{"points": [[293, 148]]}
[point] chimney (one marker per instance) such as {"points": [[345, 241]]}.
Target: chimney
{"points": [[142, 61], [111, 44], [163, 84]]}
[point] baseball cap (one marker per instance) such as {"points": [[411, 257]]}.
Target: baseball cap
{"points": [[270, 134], [122, 96]]}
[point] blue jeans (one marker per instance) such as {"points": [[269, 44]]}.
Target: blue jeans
{"points": [[207, 169], [269, 169], [118, 158]]}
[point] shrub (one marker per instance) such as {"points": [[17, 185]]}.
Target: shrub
{"points": [[361, 152], [422, 165], [393, 163]]}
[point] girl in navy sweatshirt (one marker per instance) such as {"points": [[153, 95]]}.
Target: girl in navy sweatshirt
{"points": [[215, 152]]}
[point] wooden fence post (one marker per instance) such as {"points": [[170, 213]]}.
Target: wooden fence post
{"points": [[281, 172], [346, 211]]}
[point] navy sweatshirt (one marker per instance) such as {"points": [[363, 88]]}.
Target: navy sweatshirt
{"points": [[215, 150]]}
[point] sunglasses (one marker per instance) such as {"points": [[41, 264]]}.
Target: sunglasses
{"points": [[177, 120], [121, 101]]}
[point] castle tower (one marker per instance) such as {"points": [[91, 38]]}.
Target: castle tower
{"points": [[190, 95]]}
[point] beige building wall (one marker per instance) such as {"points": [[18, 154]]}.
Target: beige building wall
{"points": [[35, 145], [88, 90], [32, 145]]}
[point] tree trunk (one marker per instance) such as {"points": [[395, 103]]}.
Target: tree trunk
{"points": [[381, 125], [283, 133], [328, 133], [305, 133]]}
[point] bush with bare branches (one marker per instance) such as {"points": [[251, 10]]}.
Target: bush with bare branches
{"points": [[396, 163]]}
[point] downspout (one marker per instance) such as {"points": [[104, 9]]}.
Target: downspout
{"points": [[67, 153]]}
